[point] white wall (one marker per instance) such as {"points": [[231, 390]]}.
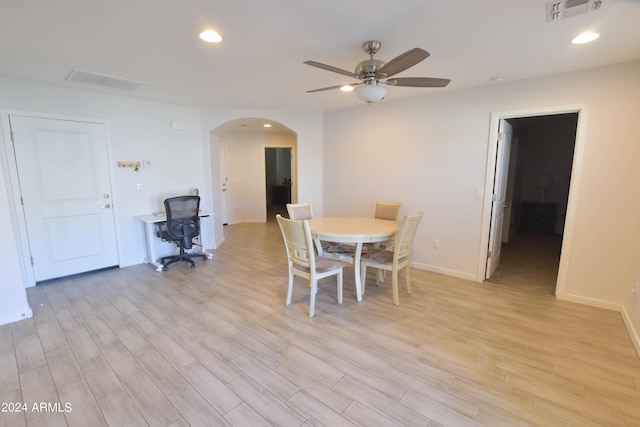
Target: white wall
{"points": [[430, 152]]}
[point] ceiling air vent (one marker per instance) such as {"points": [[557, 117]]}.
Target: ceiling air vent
{"points": [[97, 79], [557, 10]]}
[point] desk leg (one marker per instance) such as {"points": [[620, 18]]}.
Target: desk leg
{"points": [[149, 229], [356, 267], [202, 250]]}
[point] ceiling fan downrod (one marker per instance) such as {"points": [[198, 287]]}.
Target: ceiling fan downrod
{"points": [[367, 70]]}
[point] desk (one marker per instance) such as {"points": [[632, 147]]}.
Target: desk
{"points": [[356, 230], [150, 222]]}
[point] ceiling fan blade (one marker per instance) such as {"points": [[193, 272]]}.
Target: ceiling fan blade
{"points": [[330, 68], [418, 82], [331, 87], [402, 62]]}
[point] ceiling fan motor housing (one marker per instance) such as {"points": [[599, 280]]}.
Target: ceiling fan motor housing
{"points": [[368, 69]]}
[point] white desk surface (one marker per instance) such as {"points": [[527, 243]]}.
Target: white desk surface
{"points": [[153, 218]]}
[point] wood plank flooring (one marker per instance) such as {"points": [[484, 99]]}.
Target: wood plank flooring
{"points": [[216, 345]]}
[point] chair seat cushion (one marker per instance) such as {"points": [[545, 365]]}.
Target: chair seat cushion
{"points": [[380, 256], [323, 265]]}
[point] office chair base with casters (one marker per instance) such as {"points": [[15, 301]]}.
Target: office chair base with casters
{"points": [[183, 256]]}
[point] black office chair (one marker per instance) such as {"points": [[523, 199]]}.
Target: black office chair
{"points": [[183, 224]]}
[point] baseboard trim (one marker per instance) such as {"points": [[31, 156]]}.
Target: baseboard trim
{"points": [[593, 302], [445, 271]]}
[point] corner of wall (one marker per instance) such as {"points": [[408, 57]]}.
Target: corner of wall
{"points": [[14, 316], [633, 333]]}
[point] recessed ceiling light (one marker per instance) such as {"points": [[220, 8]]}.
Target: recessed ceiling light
{"points": [[346, 88], [585, 37], [267, 125], [211, 36]]}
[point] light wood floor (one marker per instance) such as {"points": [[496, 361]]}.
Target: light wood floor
{"points": [[216, 345]]}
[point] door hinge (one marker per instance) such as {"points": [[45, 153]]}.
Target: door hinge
{"points": [[11, 134], [494, 197], [31, 261], [21, 201], [488, 254], [500, 136]]}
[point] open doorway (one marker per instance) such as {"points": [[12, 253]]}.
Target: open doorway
{"points": [[538, 184], [277, 166], [239, 168]]}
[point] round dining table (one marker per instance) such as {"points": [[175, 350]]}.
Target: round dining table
{"points": [[358, 230]]}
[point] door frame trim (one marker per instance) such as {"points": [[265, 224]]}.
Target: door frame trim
{"points": [[10, 167], [572, 202]]}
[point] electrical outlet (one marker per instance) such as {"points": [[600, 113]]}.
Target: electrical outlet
{"points": [[636, 289], [436, 244]]}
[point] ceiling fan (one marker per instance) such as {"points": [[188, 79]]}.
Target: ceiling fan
{"points": [[371, 72]]}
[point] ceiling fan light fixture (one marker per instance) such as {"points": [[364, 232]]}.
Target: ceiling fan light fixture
{"points": [[346, 88], [371, 93], [211, 36]]}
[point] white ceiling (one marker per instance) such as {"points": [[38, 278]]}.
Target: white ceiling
{"points": [[259, 65]]}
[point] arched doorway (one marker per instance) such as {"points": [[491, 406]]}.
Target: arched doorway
{"points": [[239, 167]]}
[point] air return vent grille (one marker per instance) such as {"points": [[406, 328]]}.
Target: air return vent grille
{"points": [[104, 80], [557, 10]]}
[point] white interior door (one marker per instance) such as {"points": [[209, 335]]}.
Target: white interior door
{"points": [[66, 195], [224, 202], [510, 219], [499, 197]]}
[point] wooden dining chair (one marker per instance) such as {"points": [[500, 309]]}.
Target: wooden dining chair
{"points": [[299, 211], [303, 261], [383, 259], [387, 210]]}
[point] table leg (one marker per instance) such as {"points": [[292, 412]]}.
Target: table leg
{"points": [[356, 267]]}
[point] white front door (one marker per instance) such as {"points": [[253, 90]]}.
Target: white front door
{"points": [[499, 197], [66, 195]]}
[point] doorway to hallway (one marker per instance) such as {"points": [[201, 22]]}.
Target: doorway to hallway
{"points": [[538, 185], [278, 180]]}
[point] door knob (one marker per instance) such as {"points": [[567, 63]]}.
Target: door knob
{"points": [[107, 206]]}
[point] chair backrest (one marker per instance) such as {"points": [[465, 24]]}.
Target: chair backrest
{"points": [[299, 210], [404, 238], [183, 222], [298, 242], [387, 210]]}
